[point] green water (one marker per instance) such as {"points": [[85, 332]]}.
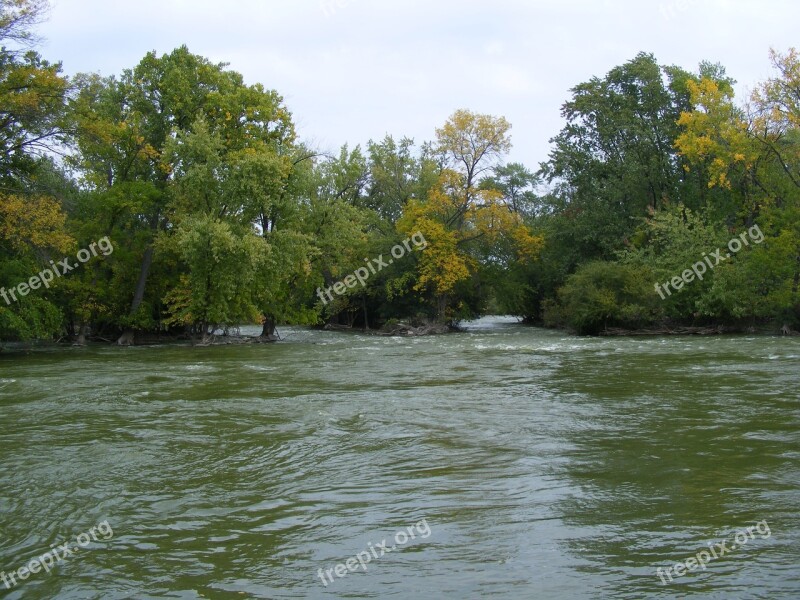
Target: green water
{"points": [[545, 466]]}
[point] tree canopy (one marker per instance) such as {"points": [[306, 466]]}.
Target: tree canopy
{"points": [[219, 216]]}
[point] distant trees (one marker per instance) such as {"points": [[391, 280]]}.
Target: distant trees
{"points": [[667, 173], [219, 216]]}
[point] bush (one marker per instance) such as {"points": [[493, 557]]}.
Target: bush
{"points": [[602, 294]]}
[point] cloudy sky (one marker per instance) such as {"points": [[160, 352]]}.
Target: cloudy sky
{"points": [[354, 70]]}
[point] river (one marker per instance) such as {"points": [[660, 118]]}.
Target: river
{"points": [[515, 462]]}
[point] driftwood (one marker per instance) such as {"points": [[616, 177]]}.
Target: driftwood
{"points": [[410, 330]]}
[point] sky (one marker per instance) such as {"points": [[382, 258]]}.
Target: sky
{"points": [[355, 70]]}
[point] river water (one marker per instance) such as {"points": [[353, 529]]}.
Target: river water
{"points": [[525, 464]]}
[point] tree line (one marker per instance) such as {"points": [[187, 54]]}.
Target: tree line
{"points": [[220, 216]]}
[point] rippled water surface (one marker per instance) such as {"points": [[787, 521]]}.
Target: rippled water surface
{"points": [[544, 466]]}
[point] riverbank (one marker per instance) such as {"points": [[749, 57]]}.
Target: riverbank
{"points": [[247, 335]]}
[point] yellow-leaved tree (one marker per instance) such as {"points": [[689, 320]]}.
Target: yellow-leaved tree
{"points": [[754, 153], [741, 147], [32, 223], [32, 231], [466, 227]]}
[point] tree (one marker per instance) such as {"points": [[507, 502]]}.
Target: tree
{"points": [[515, 183], [395, 175], [18, 18], [666, 244], [217, 289], [32, 229], [336, 223], [615, 159], [32, 223], [753, 153], [124, 128], [32, 94], [465, 225], [474, 142]]}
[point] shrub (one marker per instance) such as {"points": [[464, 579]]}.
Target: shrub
{"points": [[601, 294]]}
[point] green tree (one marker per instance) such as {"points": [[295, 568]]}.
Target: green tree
{"points": [[615, 159], [32, 94], [123, 129], [516, 183], [32, 228]]}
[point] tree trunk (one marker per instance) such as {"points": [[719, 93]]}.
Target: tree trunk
{"points": [[82, 330], [205, 335], [127, 338], [144, 272], [268, 329], [442, 308]]}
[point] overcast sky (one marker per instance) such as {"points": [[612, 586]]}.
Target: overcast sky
{"points": [[351, 70]]}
